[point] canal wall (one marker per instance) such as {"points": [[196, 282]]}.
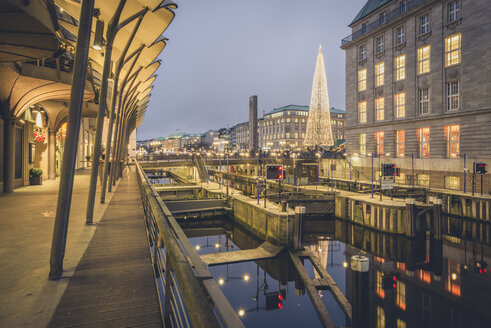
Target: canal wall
{"points": [[267, 223]]}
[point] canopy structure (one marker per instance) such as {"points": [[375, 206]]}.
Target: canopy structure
{"points": [[28, 30]]}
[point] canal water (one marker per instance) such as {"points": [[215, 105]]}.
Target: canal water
{"points": [[419, 282]]}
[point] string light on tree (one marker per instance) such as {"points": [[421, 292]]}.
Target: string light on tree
{"points": [[319, 134]]}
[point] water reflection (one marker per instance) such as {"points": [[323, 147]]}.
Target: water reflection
{"points": [[411, 282], [420, 282]]}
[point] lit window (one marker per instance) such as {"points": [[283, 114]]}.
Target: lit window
{"points": [[362, 52], [424, 180], [401, 295], [400, 105], [362, 112], [400, 67], [403, 6], [452, 183], [401, 323], [362, 79], [379, 142], [379, 108], [424, 24], [362, 142], [453, 277], [452, 137], [452, 49], [380, 317], [379, 74], [401, 143], [379, 288], [400, 35], [453, 11], [424, 142], [424, 276], [379, 44], [424, 100], [453, 95], [424, 59]]}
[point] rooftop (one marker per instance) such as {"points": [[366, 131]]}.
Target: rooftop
{"points": [[369, 8]]}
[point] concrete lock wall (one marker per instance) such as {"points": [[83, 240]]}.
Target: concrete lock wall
{"points": [[264, 223], [377, 216]]}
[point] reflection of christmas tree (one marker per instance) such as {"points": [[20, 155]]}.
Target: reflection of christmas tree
{"points": [[318, 132]]}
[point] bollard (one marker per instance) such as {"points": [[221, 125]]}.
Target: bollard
{"points": [[437, 219], [298, 228], [360, 290], [410, 217]]}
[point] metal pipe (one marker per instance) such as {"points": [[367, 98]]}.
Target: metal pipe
{"points": [[111, 115], [111, 33], [71, 141]]}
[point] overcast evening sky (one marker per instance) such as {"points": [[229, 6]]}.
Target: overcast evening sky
{"points": [[221, 52]]}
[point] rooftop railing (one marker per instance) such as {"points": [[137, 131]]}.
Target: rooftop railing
{"points": [[383, 20]]}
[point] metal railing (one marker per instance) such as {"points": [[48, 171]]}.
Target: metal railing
{"points": [[382, 20], [189, 295]]}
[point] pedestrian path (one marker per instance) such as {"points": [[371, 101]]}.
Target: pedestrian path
{"points": [[27, 297], [114, 285]]}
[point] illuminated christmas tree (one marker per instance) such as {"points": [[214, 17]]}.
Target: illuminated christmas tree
{"points": [[319, 134]]}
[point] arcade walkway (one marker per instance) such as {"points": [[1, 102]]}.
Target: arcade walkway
{"points": [[27, 297]]}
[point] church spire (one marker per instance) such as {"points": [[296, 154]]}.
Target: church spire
{"points": [[319, 132]]}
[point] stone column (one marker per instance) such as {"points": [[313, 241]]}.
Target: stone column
{"points": [[51, 154], [9, 155]]}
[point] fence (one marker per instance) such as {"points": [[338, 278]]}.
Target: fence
{"points": [[189, 295]]}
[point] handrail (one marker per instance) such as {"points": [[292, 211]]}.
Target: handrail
{"points": [[411, 4], [201, 295]]}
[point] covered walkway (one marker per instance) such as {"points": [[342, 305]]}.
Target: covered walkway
{"points": [[114, 285], [27, 297]]}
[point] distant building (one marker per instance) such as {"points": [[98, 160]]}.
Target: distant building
{"points": [[417, 86], [242, 136], [285, 127]]}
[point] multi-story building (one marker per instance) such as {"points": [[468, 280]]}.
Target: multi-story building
{"points": [[242, 136], [418, 87], [285, 127]]}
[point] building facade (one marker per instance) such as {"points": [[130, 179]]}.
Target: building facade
{"points": [[242, 136], [284, 127], [417, 87]]}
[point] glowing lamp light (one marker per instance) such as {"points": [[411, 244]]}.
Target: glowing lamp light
{"points": [[241, 313], [345, 264], [217, 245], [221, 281], [198, 247], [454, 276], [246, 277]]}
